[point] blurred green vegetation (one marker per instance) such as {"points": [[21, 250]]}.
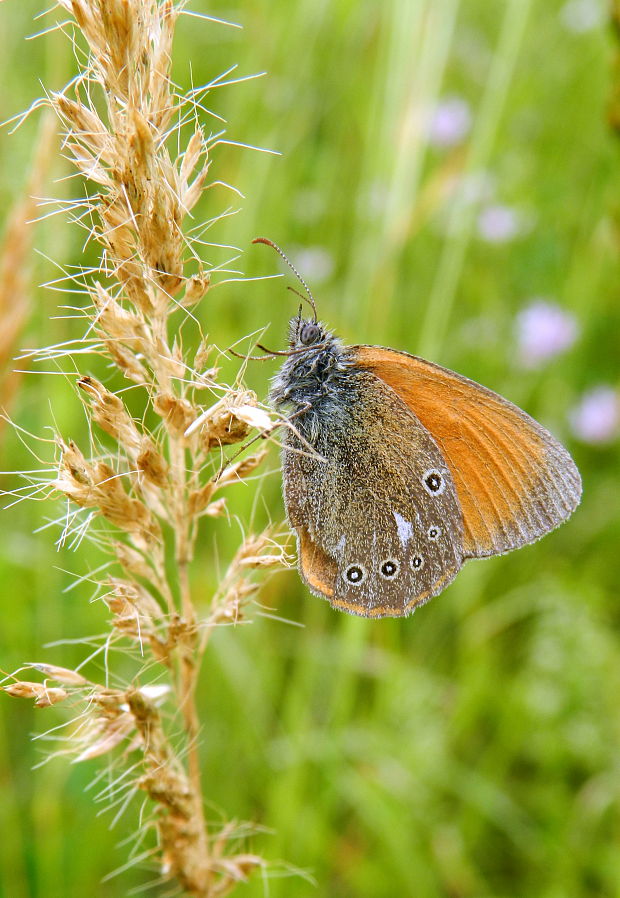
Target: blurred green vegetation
{"points": [[471, 751]]}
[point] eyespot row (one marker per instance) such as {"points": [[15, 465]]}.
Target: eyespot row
{"points": [[355, 574]]}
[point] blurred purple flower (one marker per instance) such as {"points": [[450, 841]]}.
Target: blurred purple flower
{"points": [[596, 418], [498, 224], [544, 330], [449, 122], [580, 16]]}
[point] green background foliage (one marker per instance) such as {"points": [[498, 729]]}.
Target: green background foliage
{"points": [[471, 750]]}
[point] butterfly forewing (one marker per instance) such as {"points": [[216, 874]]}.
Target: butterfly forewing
{"points": [[513, 480], [374, 504]]}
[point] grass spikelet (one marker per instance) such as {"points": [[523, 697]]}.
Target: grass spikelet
{"points": [[120, 118]]}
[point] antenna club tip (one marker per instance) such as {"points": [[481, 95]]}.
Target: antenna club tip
{"points": [[263, 240]]}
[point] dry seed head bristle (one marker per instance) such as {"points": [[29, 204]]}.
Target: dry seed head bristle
{"points": [[195, 288], [230, 420], [241, 469], [60, 674], [126, 597], [152, 464], [215, 509], [109, 413], [44, 696], [133, 561], [118, 323], [96, 485], [175, 411], [127, 131]]}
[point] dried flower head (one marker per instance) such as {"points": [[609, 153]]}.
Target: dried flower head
{"points": [[151, 478]]}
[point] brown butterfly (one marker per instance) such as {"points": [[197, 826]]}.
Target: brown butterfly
{"points": [[396, 471]]}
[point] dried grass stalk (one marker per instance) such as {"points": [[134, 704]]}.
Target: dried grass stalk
{"points": [[15, 266], [156, 486]]}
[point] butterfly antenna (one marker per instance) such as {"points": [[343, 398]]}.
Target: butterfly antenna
{"points": [[296, 292], [293, 269], [298, 325]]}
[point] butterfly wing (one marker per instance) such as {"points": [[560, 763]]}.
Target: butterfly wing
{"points": [[513, 480], [379, 529]]}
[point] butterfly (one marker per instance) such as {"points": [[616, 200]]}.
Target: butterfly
{"points": [[396, 471]]}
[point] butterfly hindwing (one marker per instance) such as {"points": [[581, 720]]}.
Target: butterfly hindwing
{"points": [[374, 504]]}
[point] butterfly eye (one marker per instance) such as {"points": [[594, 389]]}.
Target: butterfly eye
{"points": [[355, 574], [433, 482], [389, 569], [433, 532], [416, 562], [310, 333]]}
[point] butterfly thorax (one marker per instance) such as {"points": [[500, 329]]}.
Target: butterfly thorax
{"points": [[317, 370]]}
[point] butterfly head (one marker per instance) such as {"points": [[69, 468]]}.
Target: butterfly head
{"points": [[310, 333], [315, 362], [306, 332]]}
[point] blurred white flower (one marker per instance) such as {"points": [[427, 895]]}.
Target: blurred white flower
{"points": [[478, 332], [596, 418], [375, 198], [498, 224], [580, 16], [309, 205], [476, 187], [544, 330], [449, 122], [313, 262]]}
